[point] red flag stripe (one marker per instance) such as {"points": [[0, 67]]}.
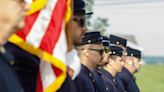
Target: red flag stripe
{"points": [[29, 20], [40, 26], [55, 27], [39, 83], [56, 71]]}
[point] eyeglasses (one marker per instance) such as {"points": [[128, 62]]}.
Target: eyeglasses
{"points": [[81, 21], [101, 51]]}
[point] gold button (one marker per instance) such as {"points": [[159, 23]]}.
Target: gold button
{"points": [[11, 62], [107, 89], [90, 74], [2, 50]]}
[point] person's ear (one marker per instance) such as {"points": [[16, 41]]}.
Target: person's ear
{"points": [[86, 54], [110, 61]]}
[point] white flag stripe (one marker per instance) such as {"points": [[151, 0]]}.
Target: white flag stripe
{"points": [[47, 74], [39, 28], [61, 47]]}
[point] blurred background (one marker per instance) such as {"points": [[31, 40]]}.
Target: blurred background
{"points": [[142, 23]]}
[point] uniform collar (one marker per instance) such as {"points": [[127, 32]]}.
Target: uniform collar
{"points": [[85, 70], [98, 70], [107, 74], [129, 73]]}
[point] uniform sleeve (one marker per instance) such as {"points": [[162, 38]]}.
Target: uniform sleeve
{"points": [[80, 85], [132, 86], [129, 84], [8, 79], [124, 79]]}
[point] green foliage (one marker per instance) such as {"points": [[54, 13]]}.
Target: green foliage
{"points": [[97, 24], [89, 5], [100, 24]]}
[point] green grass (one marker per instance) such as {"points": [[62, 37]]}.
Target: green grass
{"points": [[151, 78]]}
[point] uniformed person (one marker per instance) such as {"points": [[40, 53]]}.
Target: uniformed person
{"points": [[11, 19], [122, 43], [90, 53], [131, 62], [78, 27], [78, 21], [98, 70], [112, 68]]}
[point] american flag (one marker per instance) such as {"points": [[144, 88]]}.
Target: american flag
{"points": [[44, 36]]}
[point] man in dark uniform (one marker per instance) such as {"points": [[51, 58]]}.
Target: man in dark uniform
{"points": [[78, 21], [78, 27], [131, 61], [98, 70], [90, 53], [10, 22], [120, 42], [112, 68]]}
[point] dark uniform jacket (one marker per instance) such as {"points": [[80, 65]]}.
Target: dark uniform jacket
{"points": [[119, 85], [109, 81], [85, 81], [26, 66], [128, 81], [68, 85], [8, 79], [97, 73]]}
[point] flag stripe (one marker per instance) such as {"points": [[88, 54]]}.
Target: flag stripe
{"points": [[57, 63], [61, 47], [54, 28], [40, 26], [47, 74], [29, 20], [39, 83]]}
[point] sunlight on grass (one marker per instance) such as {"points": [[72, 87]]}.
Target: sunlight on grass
{"points": [[151, 78]]}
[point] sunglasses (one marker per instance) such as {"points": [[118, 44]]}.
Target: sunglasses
{"points": [[101, 51], [81, 21]]}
